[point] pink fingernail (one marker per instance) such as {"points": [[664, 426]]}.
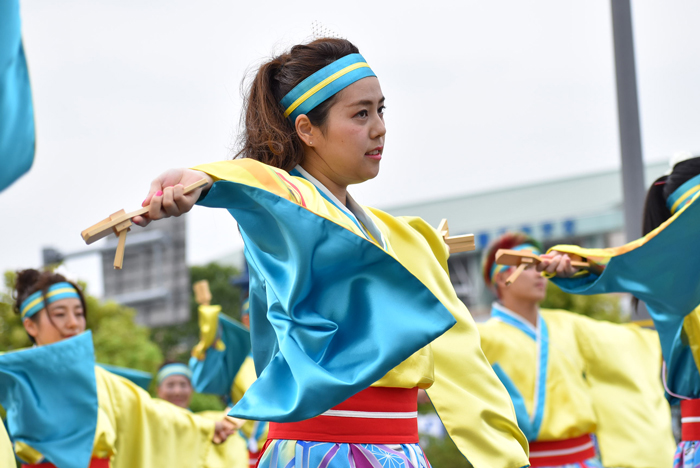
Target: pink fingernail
{"points": [[159, 193]]}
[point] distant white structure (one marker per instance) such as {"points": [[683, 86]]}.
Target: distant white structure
{"points": [[584, 210]]}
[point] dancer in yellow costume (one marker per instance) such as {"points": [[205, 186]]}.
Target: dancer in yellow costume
{"points": [[571, 377], [221, 365], [174, 385], [662, 269], [351, 309], [65, 412]]}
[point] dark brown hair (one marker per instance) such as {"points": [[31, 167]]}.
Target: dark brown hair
{"points": [[267, 135], [655, 209], [30, 281]]}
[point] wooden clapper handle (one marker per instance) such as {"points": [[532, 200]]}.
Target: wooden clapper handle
{"points": [[521, 259], [119, 223]]}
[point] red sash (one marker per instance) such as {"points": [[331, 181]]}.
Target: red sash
{"points": [[94, 463], [561, 452], [376, 415], [690, 419]]}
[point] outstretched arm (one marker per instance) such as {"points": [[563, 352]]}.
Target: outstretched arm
{"points": [[166, 196]]}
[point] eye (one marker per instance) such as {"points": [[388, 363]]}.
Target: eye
{"points": [[381, 110], [363, 113]]}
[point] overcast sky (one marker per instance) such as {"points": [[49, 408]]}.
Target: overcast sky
{"points": [[480, 95]]}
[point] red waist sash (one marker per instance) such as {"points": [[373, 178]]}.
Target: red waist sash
{"points": [[376, 415], [561, 452], [94, 463], [690, 419]]}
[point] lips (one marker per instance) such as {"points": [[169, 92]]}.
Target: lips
{"points": [[376, 153]]}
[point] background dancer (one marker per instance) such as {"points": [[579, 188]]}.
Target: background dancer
{"points": [[572, 377], [174, 385], [67, 412], [663, 270], [342, 294]]}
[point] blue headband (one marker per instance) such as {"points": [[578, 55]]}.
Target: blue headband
{"points": [[35, 302], [175, 368], [683, 194], [496, 268], [323, 84]]}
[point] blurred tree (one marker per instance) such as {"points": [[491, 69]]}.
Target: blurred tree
{"points": [[599, 307], [176, 341]]}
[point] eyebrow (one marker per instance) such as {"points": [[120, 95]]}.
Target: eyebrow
{"points": [[366, 102]]}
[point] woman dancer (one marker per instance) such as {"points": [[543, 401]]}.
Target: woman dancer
{"points": [[64, 411], [351, 309], [663, 270]]}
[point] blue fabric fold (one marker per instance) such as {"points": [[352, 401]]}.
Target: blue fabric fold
{"points": [[17, 136], [50, 395], [331, 313], [664, 272], [217, 371]]}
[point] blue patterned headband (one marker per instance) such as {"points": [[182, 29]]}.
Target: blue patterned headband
{"points": [[683, 194], [35, 302], [175, 368], [496, 268], [323, 84]]}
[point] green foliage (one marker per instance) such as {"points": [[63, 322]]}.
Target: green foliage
{"points": [[202, 402], [443, 453], [599, 307], [12, 334], [177, 341]]}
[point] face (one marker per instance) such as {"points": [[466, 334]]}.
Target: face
{"points": [[348, 149], [530, 286], [60, 320], [176, 389]]}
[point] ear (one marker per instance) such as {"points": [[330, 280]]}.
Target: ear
{"points": [[31, 327], [500, 282], [305, 129]]}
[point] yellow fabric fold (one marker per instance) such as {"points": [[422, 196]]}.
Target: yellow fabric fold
{"points": [[7, 457], [149, 432], [233, 453], [208, 323], [623, 365]]}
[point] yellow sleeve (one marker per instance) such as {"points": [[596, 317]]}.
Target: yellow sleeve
{"points": [[623, 369], [7, 457], [244, 379], [231, 454], [150, 432], [208, 324], [472, 403]]}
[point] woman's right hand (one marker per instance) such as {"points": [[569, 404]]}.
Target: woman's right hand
{"points": [[166, 196]]}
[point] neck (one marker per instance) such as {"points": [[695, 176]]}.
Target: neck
{"points": [[528, 310], [320, 173]]}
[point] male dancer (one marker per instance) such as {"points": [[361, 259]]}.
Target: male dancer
{"points": [[574, 380]]}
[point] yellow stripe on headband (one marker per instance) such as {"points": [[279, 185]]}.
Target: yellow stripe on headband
{"points": [[31, 305], [322, 85], [684, 197]]}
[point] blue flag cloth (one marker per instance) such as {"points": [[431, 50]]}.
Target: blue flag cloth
{"points": [[140, 378], [663, 270], [17, 138], [50, 395], [331, 313], [216, 372]]}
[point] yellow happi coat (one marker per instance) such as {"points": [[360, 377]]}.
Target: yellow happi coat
{"points": [[598, 378]]}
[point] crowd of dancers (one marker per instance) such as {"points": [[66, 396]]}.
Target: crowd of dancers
{"points": [[352, 313]]}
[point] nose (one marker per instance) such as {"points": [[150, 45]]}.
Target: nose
{"points": [[378, 129], [71, 321]]}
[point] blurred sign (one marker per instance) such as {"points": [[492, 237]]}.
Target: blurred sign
{"points": [[155, 279]]}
